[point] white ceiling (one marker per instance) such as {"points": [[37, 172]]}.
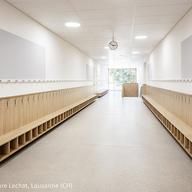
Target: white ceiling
{"points": [[98, 18]]}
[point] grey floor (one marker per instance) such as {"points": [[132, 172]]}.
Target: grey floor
{"points": [[114, 145]]}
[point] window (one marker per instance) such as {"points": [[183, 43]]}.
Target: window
{"points": [[121, 75]]}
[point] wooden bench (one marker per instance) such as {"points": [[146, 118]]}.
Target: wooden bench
{"points": [[130, 90], [19, 138], [181, 131]]}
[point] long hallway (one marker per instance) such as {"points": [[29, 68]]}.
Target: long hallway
{"points": [[113, 145]]}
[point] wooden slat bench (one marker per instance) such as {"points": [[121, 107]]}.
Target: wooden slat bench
{"points": [[181, 131], [15, 140]]}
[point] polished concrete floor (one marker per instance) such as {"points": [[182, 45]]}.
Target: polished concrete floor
{"points": [[114, 145]]}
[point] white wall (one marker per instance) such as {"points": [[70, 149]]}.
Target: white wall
{"points": [[63, 61], [91, 70], [13, 88], [20, 58], [101, 75], [164, 63]]}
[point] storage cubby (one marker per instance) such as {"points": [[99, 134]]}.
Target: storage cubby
{"points": [[190, 150], [59, 118], [1, 152], [21, 140], [186, 143], [56, 120], [164, 120], [5, 149], [14, 144], [182, 138], [40, 129], [48, 124], [44, 127], [174, 131], [62, 116], [53, 121], [169, 126], [67, 114], [35, 132], [179, 136], [28, 136]]}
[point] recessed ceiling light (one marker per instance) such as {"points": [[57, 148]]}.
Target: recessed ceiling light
{"points": [[141, 37], [72, 24], [106, 47], [135, 52]]}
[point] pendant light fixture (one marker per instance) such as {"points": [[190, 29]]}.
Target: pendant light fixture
{"points": [[113, 45]]}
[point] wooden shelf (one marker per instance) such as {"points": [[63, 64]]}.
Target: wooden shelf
{"points": [[181, 131], [19, 138]]}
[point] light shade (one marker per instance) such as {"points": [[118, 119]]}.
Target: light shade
{"points": [[135, 52], [141, 37], [72, 24]]}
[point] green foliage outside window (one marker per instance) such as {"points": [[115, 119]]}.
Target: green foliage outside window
{"points": [[120, 76]]}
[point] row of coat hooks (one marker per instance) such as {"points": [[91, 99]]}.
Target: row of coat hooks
{"points": [[60, 81], [174, 80], [3, 81]]}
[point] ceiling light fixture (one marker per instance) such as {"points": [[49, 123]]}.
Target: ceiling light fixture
{"points": [[72, 24], [106, 47], [135, 52], [103, 57], [141, 37], [113, 45]]}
